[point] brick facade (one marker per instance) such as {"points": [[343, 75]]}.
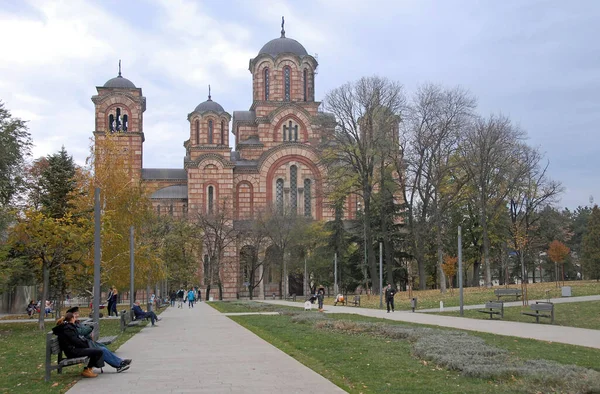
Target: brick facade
{"points": [[275, 138]]}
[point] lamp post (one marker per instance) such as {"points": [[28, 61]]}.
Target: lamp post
{"points": [[460, 272], [381, 275]]}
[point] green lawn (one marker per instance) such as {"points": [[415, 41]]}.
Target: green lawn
{"points": [[363, 363], [573, 314], [475, 295], [23, 352]]}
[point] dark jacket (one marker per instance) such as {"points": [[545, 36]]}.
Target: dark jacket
{"points": [[389, 293], [138, 312], [69, 339]]}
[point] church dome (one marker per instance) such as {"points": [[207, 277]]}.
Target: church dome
{"points": [[283, 45], [209, 105], [119, 82]]}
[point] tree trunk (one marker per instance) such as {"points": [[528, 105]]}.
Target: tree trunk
{"points": [[486, 249], [421, 267], [389, 258], [475, 280], [440, 253], [207, 292], [45, 284]]}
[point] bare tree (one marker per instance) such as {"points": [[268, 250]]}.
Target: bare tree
{"points": [[435, 122], [491, 154], [367, 114], [219, 234], [254, 237]]}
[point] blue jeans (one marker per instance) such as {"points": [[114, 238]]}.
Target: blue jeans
{"points": [[110, 358]]}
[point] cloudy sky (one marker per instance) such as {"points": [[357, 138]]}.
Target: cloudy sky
{"points": [[535, 61]]}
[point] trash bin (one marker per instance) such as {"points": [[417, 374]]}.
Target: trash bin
{"points": [[413, 303], [273, 295], [211, 298], [566, 291]]}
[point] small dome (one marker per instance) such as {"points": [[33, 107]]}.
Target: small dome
{"points": [[119, 82], [209, 105], [283, 45]]}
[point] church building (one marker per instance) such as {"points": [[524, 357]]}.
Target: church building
{"points": [[274, 163]]}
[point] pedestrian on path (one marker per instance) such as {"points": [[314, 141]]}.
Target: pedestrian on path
{"points": [[172, 297], [320, 296], [389, 297], [109, 301], [180, 295], [191, 298], [115, 301]]}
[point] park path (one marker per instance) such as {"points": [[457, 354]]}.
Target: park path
{"points": [[543, 332], [200, 350]]}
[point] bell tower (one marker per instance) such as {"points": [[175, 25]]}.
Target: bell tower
{"points": [[119, 107]]}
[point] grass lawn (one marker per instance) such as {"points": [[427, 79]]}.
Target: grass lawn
{"points": [[23, 354], [475, 295], [573, 314], [362, 363]]}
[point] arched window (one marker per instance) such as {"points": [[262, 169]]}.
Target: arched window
{"points": [[171, 209], [305, 85], [111, 123], [267, 83], [185, 209], [210, 131], [211, 199], [286, 82], [279, 196], [118, 119], [125, 122], [294, 189], [197, 132], [307, 198], [222, 132], [290, 131]]}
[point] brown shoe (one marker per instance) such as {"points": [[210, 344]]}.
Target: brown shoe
{"points": [[88, 373]]}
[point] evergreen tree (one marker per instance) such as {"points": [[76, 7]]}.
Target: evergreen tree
{"points": [[591, 246], [57, 182]]}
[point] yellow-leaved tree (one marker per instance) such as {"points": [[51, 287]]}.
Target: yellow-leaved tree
{"points": [[558, 252], [124, 203]]}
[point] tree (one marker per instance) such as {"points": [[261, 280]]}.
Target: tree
{"points": [[558, 252], [367, 114], [181, 250], [435, 122], [491, 155], [57, 183], [591, 245], [51, 243], [219, 234], [254, 238], [449, 268], [15, 147]]}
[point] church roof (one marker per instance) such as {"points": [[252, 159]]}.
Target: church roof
{"points": [[164, 173], [176, 191], [119, 82], [244, 116], [283, 45], [209, 105]]}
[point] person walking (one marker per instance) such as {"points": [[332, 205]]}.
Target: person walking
{"points": [[389, 297], [109, 301], [115, 301], [172, 297], [190, 295], [320, 296], [180, 294]]}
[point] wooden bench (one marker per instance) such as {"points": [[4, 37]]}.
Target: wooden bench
{"points": [[128, 320], [291, 297], [356, 300], [53, 347], [95, 334], [493, 308], [507, 292], [538, 310]]}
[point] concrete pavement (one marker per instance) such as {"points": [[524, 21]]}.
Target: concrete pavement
{"points": [[199, 350], [543, 332]]}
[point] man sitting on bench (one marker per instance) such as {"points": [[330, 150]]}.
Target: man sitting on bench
{"points": [[75, 346], [140, 314], [86, 332]]}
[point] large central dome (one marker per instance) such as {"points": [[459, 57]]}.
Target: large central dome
{"points": [[283, 45]]}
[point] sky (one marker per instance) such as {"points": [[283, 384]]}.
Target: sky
{"points": [[536, 61]]}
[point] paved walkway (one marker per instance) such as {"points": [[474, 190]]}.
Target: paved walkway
{"points": [[562, 300], [542, 332], [200, 350]]}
